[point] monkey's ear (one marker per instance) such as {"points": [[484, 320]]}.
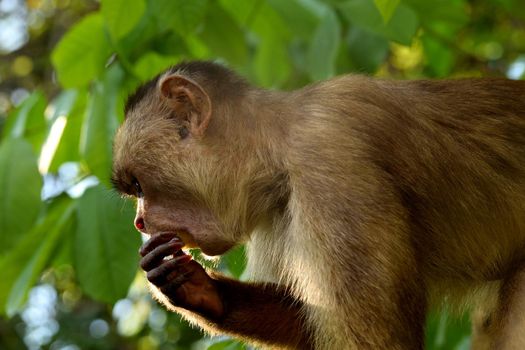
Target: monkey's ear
{"points": [[189, 101]]}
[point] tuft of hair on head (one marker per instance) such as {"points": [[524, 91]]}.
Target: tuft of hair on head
{"points": [[217, 78]]}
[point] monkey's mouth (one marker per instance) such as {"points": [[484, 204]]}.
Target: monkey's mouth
{"points": [[183, 234]]}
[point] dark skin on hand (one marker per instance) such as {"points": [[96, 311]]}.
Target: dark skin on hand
{"points": [[182, 279]]}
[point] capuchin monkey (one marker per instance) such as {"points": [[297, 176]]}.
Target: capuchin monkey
{"points": [[363, 203]]}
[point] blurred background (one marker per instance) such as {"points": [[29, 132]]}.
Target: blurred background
{"points": [[68, 251]]}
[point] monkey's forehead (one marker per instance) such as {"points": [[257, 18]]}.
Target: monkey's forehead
{"points": [[143, 93], [144, 105], [143, 129]]}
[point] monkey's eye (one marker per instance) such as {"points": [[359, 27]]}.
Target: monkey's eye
{"points": [[183, 132], [138, 189]]}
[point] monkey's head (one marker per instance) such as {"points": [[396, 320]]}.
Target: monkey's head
{"points": [[180, 153]]}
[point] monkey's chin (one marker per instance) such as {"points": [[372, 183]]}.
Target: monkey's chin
{"points": [[219, 248]]}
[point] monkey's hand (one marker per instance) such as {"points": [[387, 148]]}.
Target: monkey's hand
{"points": [[182, 280]]}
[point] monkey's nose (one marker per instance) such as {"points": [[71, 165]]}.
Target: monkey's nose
{"points": [[139, 224]]}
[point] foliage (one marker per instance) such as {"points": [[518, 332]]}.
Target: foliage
{"points": [[53, 149]]}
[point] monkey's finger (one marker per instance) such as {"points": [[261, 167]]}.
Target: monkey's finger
{"points": [[156, 240], [167, 271], [155, 257]]}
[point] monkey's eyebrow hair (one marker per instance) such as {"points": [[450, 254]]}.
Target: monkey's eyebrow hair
{"points": [[118, 184]]}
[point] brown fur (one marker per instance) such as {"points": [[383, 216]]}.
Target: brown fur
{"points": [[368, 200]]}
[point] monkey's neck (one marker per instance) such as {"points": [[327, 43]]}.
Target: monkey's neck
{"points": [[268, 123], [260, 123]]}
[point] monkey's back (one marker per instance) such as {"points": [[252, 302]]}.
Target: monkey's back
{"points": [[452, 153]]}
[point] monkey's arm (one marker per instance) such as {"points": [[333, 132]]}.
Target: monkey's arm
{"points": [[263, 313]]}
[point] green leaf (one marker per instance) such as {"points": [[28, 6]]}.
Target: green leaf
{"points": [[386, 8], [14, 261], [272, 64], [444, 332], [402, 26], [140, 38], [267, 28], [182, 15], [106, 245], [366, 50], [235, 261], [82, 53], [197, 48], [49, 236], [260, 18], [299, 18], [443, 16], [223, 36], [63, 103], [20, 187], [150, 64], [439, 57], [28, 121], [100, 124], [227, 345], [122, 15], [68, 144], [323, 49], [61, 106], [243, 12]]}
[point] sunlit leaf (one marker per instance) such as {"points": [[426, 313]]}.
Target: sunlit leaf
{"points": [[68, 149], [106, 245], [196, 48], [324, 46], [386, 8], [122, 15], [63, 103], [152, 64], [82, 52], [100, 124], [20, 186]]}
